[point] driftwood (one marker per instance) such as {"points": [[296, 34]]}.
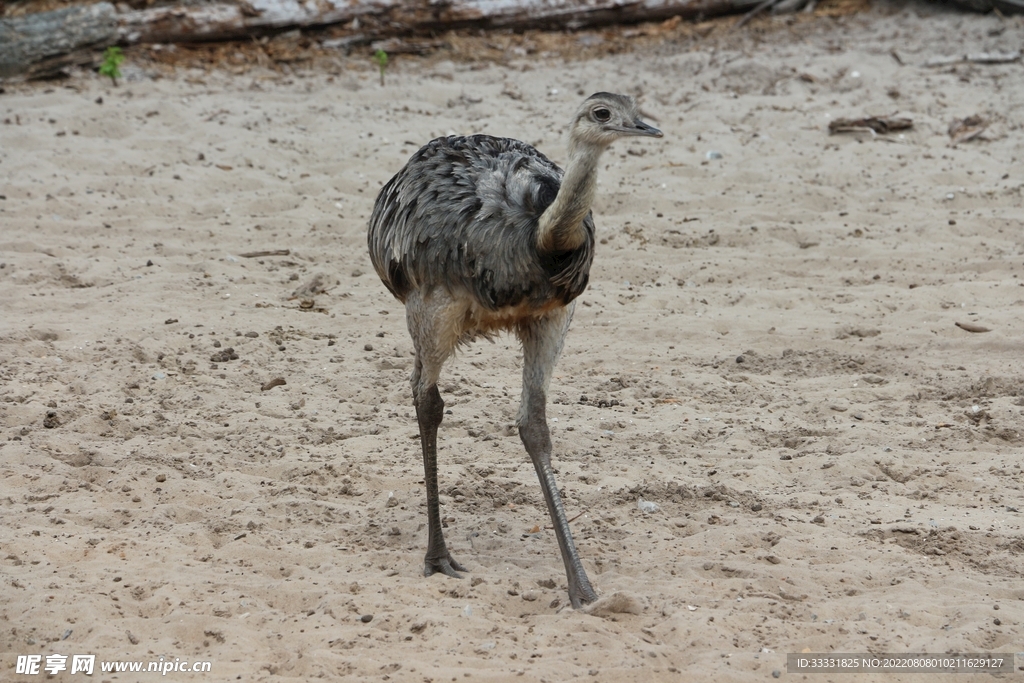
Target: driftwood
{"points": [[42, 44], [1002, 6], [33, 39], [46, 42], [395, 17]]}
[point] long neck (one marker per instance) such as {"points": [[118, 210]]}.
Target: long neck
{"points": [[560, 227]]}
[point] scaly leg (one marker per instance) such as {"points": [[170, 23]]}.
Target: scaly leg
{"points": [[542, 343], [430, 356], [429, 412]]}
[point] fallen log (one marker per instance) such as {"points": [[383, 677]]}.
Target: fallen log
{"points": [[39, 44], [26, 43], [398, 17]]}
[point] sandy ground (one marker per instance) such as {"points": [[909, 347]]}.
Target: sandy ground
{"points": [[768, 352]]}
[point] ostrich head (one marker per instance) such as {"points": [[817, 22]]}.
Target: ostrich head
{"points": [[604, 117]]}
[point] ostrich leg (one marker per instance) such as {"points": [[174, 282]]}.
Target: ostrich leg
{"points": [[542, 343], [429, 413]]}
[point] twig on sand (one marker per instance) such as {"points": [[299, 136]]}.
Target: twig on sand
{"points": [[977, 58], [873, 124], [569, 521], [754, 12], [267, 252], [969, 327]]}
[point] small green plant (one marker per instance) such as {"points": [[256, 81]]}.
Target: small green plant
{"points": [[381, 58], [112, 58]]}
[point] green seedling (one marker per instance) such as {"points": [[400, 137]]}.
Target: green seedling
{"points": [[381, 58], [112, 58]]}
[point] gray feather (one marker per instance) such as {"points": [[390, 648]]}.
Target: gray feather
{"points": [[462, 214]]}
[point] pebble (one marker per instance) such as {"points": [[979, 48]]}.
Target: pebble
{"points": [[366, 618], [159, 375], [713, 154], [161, 477], [276, 382], [224, 355], [776, 673], [647, 506]]}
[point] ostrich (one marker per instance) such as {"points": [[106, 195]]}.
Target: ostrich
{"points": [[480, 234]]}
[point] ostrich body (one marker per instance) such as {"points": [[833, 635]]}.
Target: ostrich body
{"points": [[481, 234]]}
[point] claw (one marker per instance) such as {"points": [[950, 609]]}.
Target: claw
{"points": [[580, 596], [447, 566]]}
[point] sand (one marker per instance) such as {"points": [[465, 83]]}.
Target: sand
{"points": [[768, 352]]}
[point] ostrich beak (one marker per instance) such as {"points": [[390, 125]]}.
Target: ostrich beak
{"points": [[641, 128]]}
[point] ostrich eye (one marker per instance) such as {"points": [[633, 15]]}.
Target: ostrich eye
{"points": [[602, 115]]}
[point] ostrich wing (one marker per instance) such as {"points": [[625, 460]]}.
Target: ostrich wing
{"points": [[463, 214]]}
